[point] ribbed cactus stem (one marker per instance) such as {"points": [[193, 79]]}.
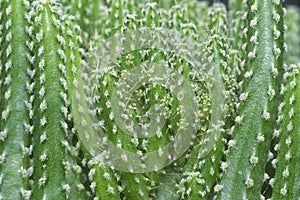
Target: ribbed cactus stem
{"points": [[116, 14], [258, 104], [73, 172], [218, 46], [286, 183], [52, 152], [49, 101], [77, 9], [74, 54], [16, 88], [94, 17]]}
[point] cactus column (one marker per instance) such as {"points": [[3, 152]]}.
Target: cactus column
{"points": [[53, 48], [15, 104], [258, 105], [286, 183]]}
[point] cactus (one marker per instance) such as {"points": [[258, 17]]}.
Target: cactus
{"points": [[286, 181], [16, 88], [54, 58], [200, 174], [258, 104], [58, 95]]}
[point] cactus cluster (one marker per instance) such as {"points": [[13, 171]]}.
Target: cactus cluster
{"points": [[148, 99]]}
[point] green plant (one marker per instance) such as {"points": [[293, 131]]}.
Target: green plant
{"points": [[204, 102], [286, 180], [257, 109], [16, 102]]}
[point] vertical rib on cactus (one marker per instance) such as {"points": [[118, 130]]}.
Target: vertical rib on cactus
{"points": [[236, 6], [218, 50], [218, 57], [15, 102], [94, 17], [77, 8], [116, 14], [51, 151], [257, 111], [167, 4], [74, 54], [286, 183], [49, 172]]}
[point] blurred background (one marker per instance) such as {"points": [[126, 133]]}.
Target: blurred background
{"points": [[293, 2], [286, 2]]}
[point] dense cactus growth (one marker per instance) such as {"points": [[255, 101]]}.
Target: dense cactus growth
{"points": [[147, 99]]}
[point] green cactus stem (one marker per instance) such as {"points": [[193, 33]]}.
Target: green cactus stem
{"points": [[74, 54], [149, 99], [138, 186], [16, 87], [54, 156], [286, 183], [258, 104]]}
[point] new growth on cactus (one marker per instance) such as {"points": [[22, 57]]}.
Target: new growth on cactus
{"points": [[147, 99]]}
